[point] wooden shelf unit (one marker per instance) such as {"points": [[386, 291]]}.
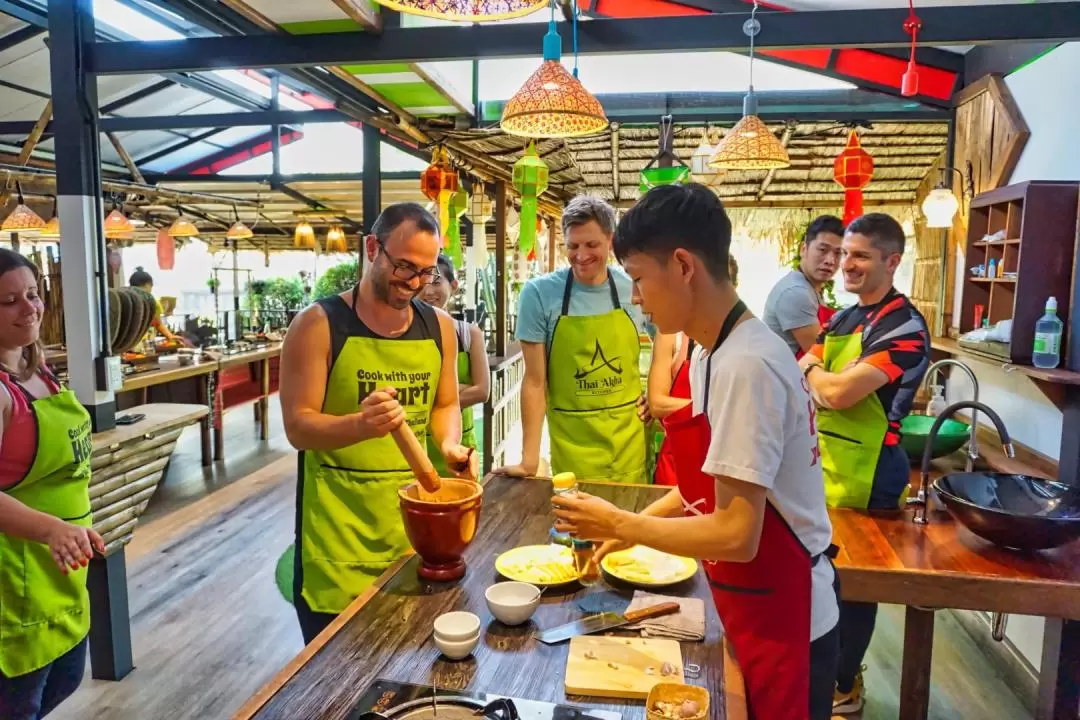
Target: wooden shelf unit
{"points": [[1040, 223]]}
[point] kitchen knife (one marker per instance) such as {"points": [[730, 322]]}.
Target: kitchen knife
{"points": [[604, 621]]}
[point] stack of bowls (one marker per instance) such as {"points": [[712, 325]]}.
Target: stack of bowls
{"points": [[456, 634]]}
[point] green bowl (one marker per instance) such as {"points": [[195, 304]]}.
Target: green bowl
{"points": [[913, 431]]}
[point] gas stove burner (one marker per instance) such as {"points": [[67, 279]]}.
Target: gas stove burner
{"points": [[390, 700]]}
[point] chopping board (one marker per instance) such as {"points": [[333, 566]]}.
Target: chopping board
{"points": [[631, 656]]}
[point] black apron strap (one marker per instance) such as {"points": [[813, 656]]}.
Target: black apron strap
{"points": [[614, 292], [566, 292], [725, 330]]}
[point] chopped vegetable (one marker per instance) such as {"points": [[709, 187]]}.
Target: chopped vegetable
{"points": [[590, 655], [667, 669]]}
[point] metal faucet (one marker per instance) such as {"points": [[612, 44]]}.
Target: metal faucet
{"points": [[928, 452], [973, 443]]}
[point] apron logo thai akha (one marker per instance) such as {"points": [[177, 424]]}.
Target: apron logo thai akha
{"points": [[601, 376]]}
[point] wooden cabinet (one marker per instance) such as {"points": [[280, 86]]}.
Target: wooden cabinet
{"points": [[1033, 228]]}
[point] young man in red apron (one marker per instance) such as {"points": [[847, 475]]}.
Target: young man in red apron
{"points": [[750, 500]]}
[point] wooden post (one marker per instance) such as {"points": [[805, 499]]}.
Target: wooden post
{"points": [[500, 268]]}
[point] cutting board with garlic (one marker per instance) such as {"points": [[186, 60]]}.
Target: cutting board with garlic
{"points": [[621, 667]]}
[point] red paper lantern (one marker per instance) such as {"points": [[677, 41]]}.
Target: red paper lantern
{"points": [[853, 169], [166, 249]]}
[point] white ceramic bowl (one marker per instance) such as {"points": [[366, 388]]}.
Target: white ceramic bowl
{"points": [[457, 649], [457, 626], [512, 603]]}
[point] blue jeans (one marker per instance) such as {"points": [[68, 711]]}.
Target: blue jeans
{"points": [[35, 695]]}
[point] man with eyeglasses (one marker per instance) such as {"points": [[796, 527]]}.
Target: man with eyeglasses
{"points": [[354, 367]]}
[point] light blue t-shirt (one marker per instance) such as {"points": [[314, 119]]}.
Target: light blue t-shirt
{"points": [[541, 299]]}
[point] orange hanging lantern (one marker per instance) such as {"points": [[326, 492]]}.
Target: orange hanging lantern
{"points": [[166, 249], [852, 170], [438, 183]]}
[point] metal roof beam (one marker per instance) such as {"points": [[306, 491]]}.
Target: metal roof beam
{"points": [[20, 36], [25, 11], [718, 32], [176, 147], [170, 178], [229, 120]]}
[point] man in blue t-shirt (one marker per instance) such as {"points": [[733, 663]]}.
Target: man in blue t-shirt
{"points": [[579, 333]]}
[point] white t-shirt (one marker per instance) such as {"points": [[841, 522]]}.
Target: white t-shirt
{"points": [[763, 432]]}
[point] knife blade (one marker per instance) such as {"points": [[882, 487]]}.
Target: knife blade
{"points": [[603, 621]]}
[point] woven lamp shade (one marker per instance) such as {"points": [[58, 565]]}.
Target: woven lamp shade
{"points": [[239, 231], [553, 104], [466, 10], [335, 240], [22, 219], [304, 237], [117, 226], [750, 146], [51, 229], [182, 227]]}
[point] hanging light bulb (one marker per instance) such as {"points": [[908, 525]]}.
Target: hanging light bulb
{"points": [[699, 161], [335, 240], [750, 145], [52, 228], [940, 208], [182, 227], [304, 237], [22, 218], [553, 103]]}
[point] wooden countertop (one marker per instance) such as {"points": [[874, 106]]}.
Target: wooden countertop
{"points": [[169, 370], [386, 633], [228, 361], [885, 557], [159, 416]]}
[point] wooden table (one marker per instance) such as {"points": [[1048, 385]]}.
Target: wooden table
{"points": [[170, 370], [386, 632], [261, 359], [127, 463], [885, 557]]}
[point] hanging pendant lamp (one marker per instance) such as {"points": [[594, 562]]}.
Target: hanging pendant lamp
{"points": [[466, 10], [304, 237], [182, 227], [335, 240], [22, 218], [553, 103], [750, 145], [117, 226], [52, 228]]}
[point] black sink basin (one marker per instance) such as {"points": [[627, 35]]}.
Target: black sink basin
{"points": [[1013, 511]]}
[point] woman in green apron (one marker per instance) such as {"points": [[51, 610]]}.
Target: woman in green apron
{"points": [[46, 541], [472, 362]]}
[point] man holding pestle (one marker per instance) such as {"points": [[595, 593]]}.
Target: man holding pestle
{"points": [[354, 368]]}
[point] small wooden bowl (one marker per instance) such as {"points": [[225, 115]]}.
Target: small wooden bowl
{"points": [[676, 693]]}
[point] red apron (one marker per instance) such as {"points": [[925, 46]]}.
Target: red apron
{"points": [[764, 604], [824, 315], [666, 469]]}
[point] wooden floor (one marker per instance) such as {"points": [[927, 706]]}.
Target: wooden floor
{"points": [[209, 626]]}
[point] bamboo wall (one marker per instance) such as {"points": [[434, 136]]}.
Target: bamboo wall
{"points": [[929, 251]]}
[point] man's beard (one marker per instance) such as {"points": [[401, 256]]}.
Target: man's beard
{"points": [[382, 287]]}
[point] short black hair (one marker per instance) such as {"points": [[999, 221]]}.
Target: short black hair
{"points": [[823, 223], [398, 213], [446, 268], [669, 217], [884, 232], [140, 277]]}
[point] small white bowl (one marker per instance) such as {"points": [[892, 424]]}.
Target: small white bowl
{"points": [[512, 603], [459, 649], [457, 626]]}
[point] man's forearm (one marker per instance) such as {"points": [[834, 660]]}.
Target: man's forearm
{"points": [[445, 424], [533, 408], [702, 536], [318, 431], [469, 395]]}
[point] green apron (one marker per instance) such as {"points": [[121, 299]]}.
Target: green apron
{"points": [[468, 428], [44, 613], [593, 386], [850, 439], [350, 522]]}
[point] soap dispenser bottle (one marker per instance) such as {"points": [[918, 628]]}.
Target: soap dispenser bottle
{"points": [[937, 402]]}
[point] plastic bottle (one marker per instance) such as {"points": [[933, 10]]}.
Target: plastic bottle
{"points": [[1048, 330], [991, 269], [563, 484], [937, 402]]}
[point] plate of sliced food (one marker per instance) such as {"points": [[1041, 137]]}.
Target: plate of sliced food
{"points": [[645, 567], [540, 565]]}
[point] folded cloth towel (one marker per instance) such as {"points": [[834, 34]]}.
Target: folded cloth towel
{"points": [[687, 625]]}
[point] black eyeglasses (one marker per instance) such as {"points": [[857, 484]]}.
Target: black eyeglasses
{"points": [[407, 271]]}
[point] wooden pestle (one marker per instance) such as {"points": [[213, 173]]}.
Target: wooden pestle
{"points": [[417, 458]]}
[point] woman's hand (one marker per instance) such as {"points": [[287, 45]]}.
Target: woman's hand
{"points": [[72, 546], [644, 412], [586, 517]]}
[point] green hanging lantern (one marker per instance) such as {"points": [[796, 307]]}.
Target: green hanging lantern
{"points": [[459, 203], [530, 180], [653, 177], [666, 167]]}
